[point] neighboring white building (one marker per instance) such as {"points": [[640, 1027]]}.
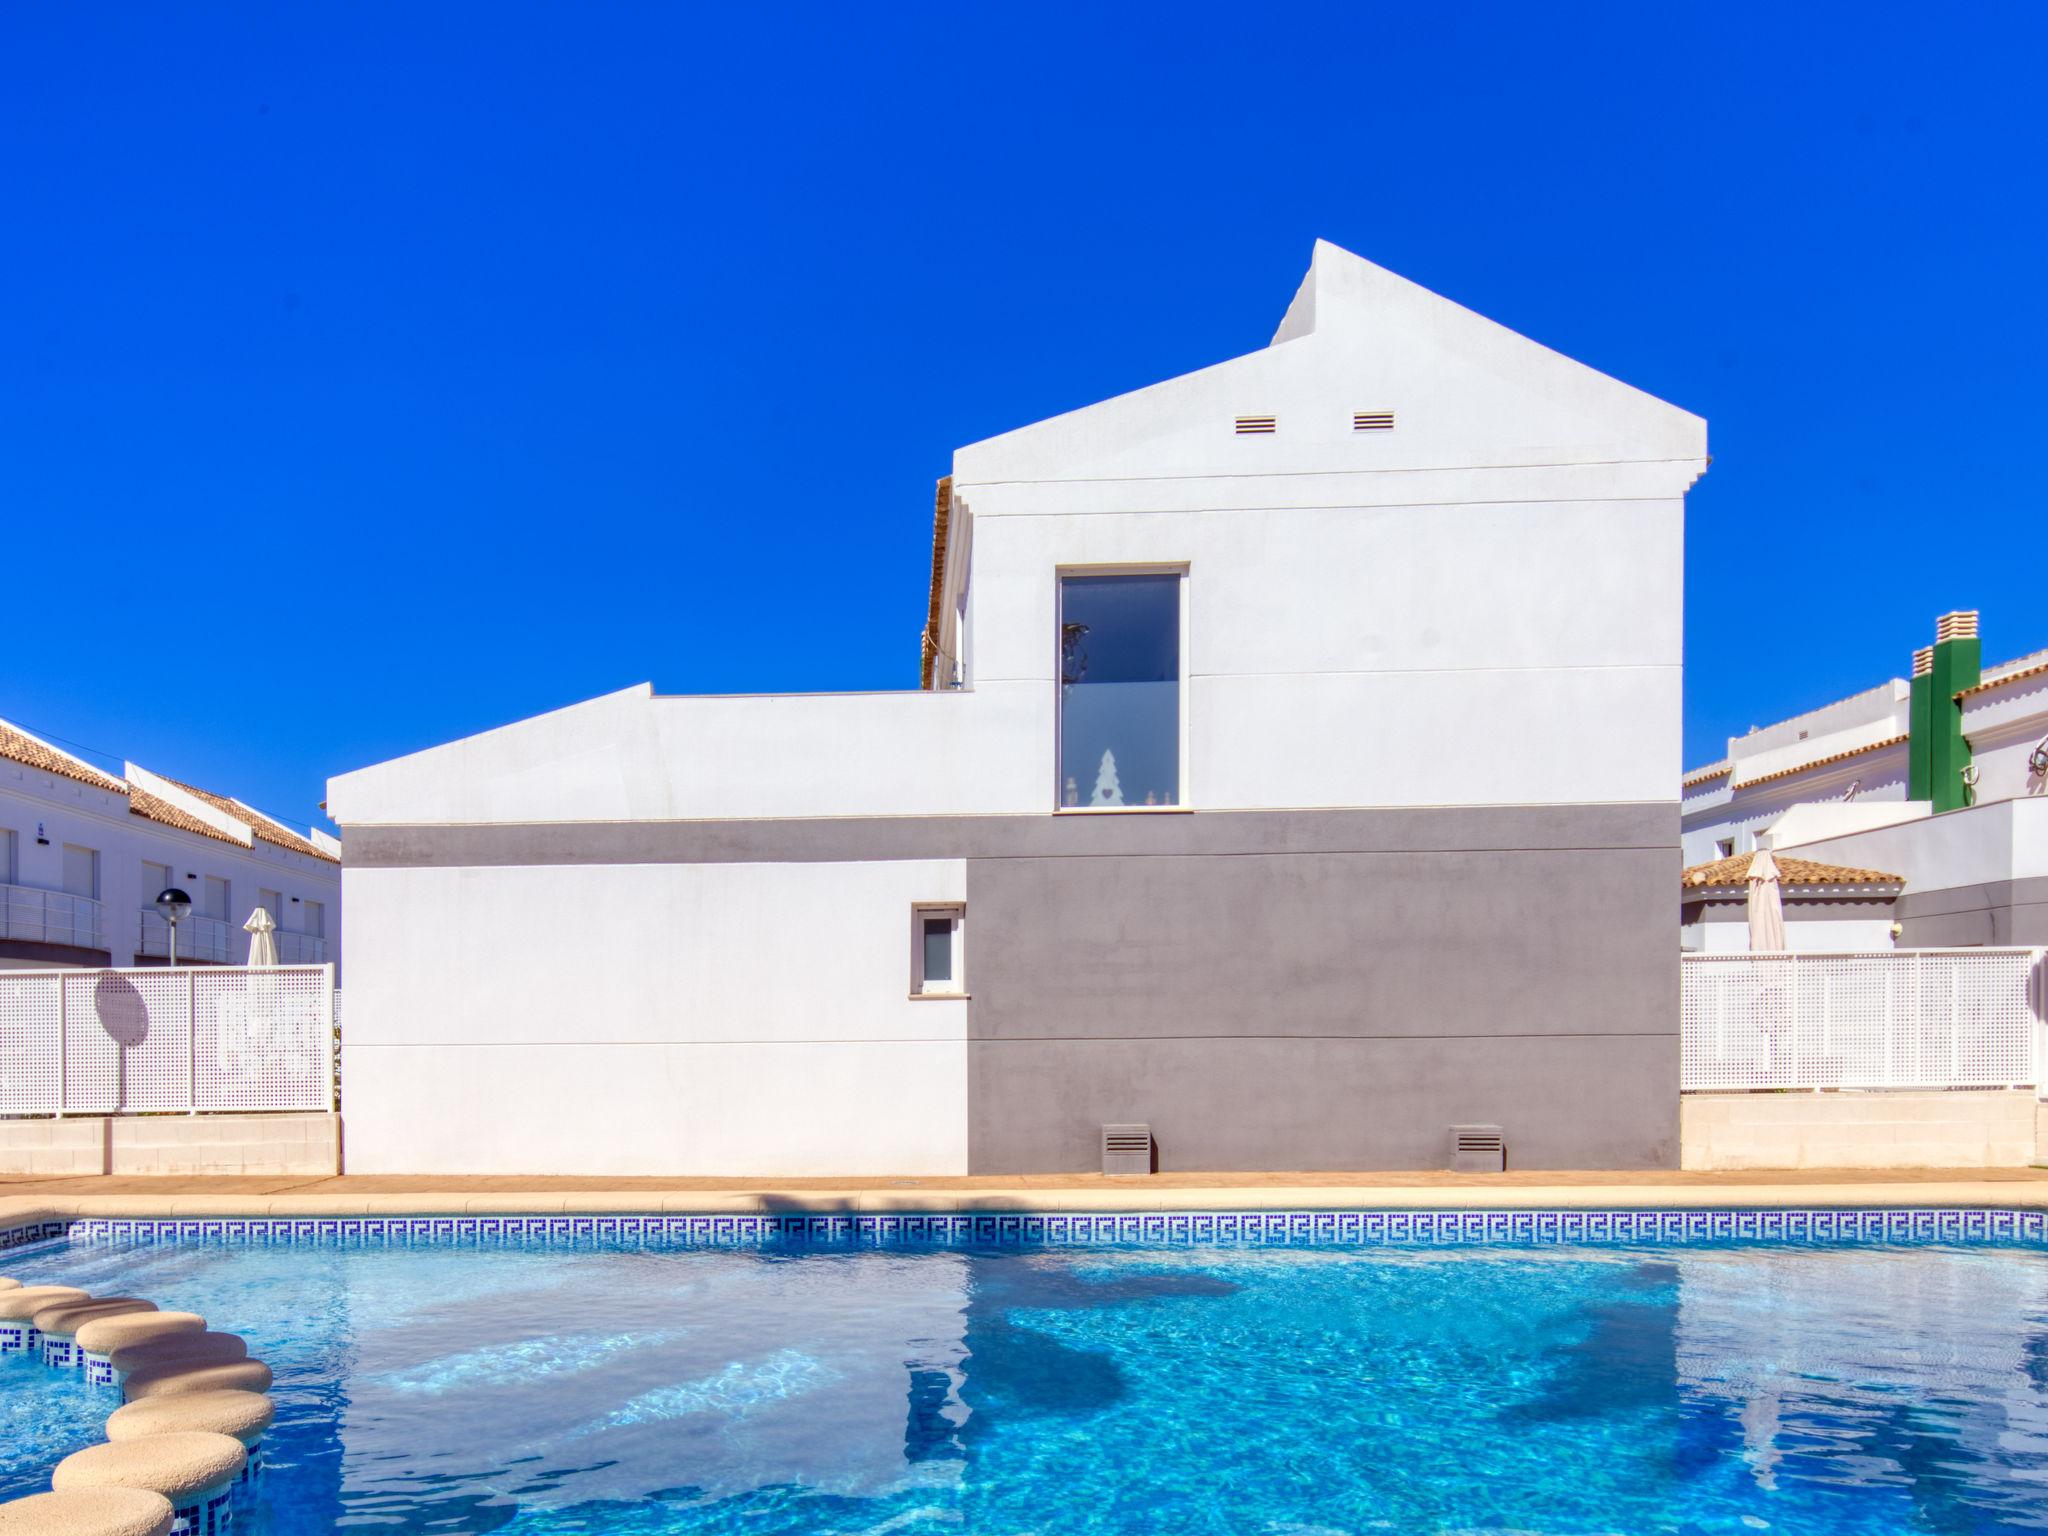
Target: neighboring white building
{"points": [[83, 855], [1293, 775], [1940, 781]]}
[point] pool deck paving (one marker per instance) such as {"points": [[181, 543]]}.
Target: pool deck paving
{"points": [[36, 1197]]}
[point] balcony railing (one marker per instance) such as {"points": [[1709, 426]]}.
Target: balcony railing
{"points": [[199, 938], [50, 917], [300, 948]]}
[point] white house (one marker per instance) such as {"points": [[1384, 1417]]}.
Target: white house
{"points": [[1939, 782], [83, 855], [1292, 775]]}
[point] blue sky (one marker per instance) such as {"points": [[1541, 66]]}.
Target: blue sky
{"points": [[374, 375]]}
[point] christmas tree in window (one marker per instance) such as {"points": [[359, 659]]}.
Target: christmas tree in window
{"points": [[1107, 790]]}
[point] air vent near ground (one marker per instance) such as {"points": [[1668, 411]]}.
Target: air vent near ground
{"points": [[1127, 1149], [1478, 1149], [1372, 421], [1246, 425]]}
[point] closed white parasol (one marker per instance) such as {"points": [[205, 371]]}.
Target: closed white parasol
{"points": [[1766, 905], [262, 931]]}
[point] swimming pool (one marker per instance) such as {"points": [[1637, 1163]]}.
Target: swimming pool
{"points": [[606, 1382]]}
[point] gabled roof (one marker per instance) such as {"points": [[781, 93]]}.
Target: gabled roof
{"points": [[1733, 873], [155, 808], [1469, 394], [262, 827], [18, 746]]}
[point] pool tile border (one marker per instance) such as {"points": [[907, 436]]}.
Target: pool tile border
{"points": [[1296, 1228], [32, 1232]]}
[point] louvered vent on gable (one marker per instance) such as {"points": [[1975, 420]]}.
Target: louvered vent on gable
{"points": [[1248, 426], [1372, 421]]}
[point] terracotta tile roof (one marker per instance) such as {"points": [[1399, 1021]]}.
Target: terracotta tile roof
{"points": [[1708, 774], [24, 748], [1822, 762], [1791, 872], [151, 807], [261, 825], [942, 517], [1999, 682]]}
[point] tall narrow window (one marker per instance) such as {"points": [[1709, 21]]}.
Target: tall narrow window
{"points": [[1120, 688]]}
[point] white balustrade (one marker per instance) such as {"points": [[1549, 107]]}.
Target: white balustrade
{"points": [[51, 917], [1909, 1018], [161, 1038]]}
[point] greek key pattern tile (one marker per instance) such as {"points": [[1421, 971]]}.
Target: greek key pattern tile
{"points": [[34, 1232], [1062, 1229]]}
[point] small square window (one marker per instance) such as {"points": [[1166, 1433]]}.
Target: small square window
{"points": [[935, 952], [1725, 847]]}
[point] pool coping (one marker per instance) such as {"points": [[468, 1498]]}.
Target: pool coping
{"points": [[2009, 1193]]}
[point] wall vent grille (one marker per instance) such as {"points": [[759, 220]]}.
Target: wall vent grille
{"points": [[1372, 421], [1248, 426], [1127, 1149], [1478, 1149]]}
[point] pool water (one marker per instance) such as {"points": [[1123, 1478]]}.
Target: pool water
{"points": [[1292, 1391]]}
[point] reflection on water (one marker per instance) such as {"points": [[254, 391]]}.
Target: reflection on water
{"points": [[1283, 1391]]}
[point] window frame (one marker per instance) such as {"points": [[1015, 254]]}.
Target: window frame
{"points": [[1183, 800], [922, 912]]}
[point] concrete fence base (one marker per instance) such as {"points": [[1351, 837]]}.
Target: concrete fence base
{"points": [[277, 1144], [1993, 1128]]}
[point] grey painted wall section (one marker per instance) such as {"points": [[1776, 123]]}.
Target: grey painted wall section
{"points": [[1304, 1010], [838, 839], [1996, 912], [1270, 990]]}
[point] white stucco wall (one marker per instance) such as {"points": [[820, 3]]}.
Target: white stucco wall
{"points": [[1482, 606], [1713, 812], [733, 1018], [2004, 726], [2005, 840]]}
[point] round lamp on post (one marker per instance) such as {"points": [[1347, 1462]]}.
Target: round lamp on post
{"points": [[173, 904]]}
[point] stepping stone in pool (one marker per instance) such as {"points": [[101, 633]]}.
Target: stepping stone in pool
{"points": [[178, 1349], [196, 1471], [244, 1415], [103, 1335], [176, 1380], [18, 1309], [59, 1326], [88, 1512]]}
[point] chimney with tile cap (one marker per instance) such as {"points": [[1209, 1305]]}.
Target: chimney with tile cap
{"points": [[1938, 751]]}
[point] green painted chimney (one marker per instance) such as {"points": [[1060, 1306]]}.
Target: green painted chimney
{"points": [[1957, 664]]}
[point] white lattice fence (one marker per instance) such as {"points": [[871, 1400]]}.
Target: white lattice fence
{"points": [[1915, 1018], [135, 1041]]}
